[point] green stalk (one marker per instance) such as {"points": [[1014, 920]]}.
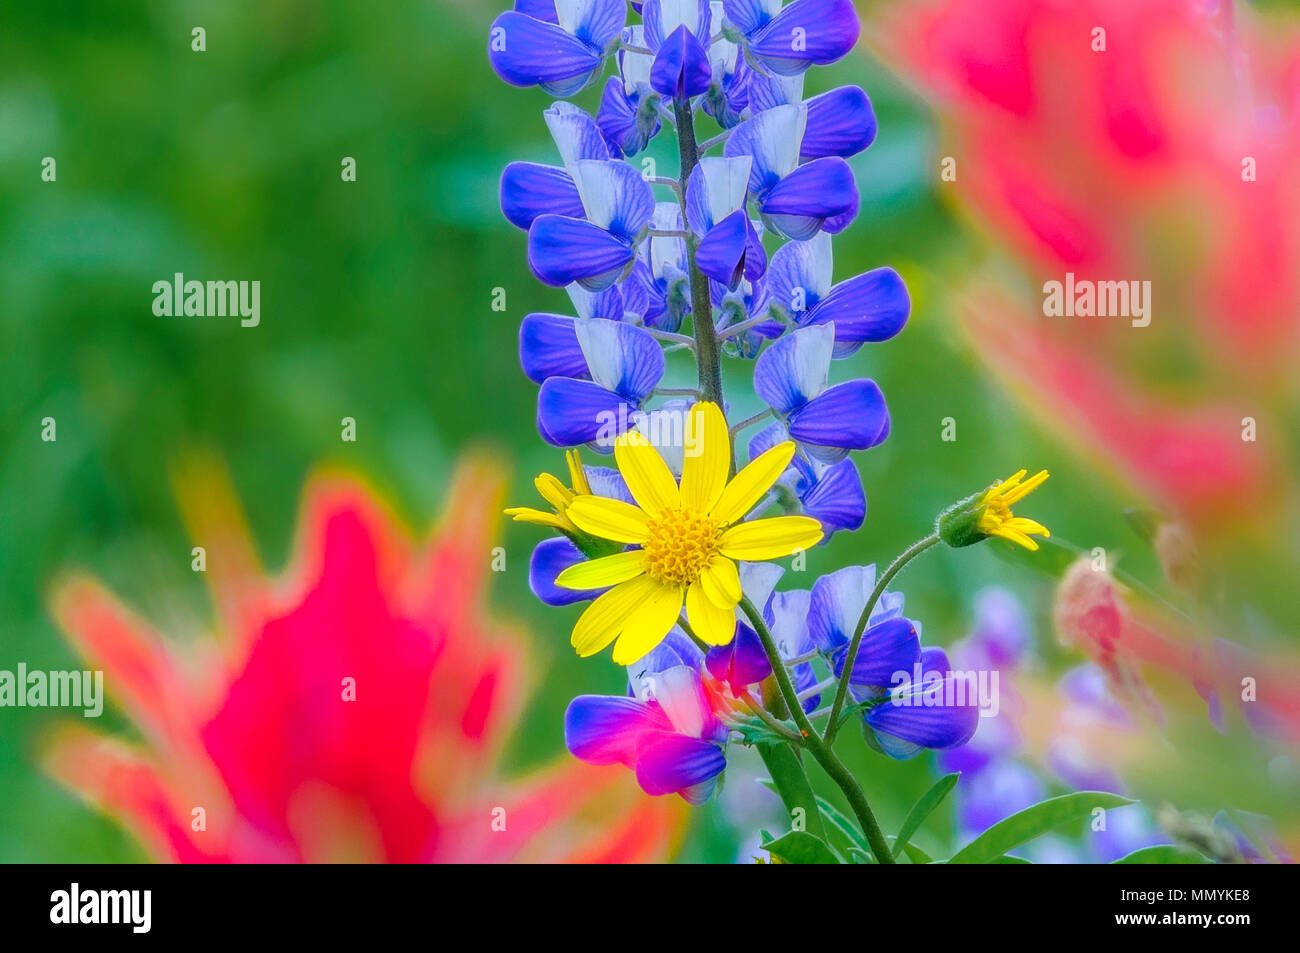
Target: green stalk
{"points": [[832, 765], [706, 337], [841, 693]]}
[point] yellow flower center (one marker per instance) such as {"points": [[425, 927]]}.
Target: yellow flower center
{"points": [[680, 545]]}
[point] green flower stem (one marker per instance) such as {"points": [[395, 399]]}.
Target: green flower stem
{"points": [[706, 337], [832, 765], [787, 773], [841, 693]]}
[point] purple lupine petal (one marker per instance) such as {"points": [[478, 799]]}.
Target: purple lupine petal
{"points": [[550, 558], [772, 139], [934, 659], [887, 648], [758, 582], [674, 651], [621, 357], [790, 622], [614, 196], [528, 52], [575, 133], [716, 188], [1001, 625], [529, 190], [989, 796], [925, 716], [766, 439], [573, 412], [681, 66], [837, 499], [848, 416], [597, 22], [607, 729], [670, 763], [800, 276], [750, 16], [537, 9], [607, 482], [562, 250], [767, 91], [804, 33], [728, 251], [840, 123], [870, 307], [800, 203], [597, 304], [838, 223], [548, 347], [680, 693], [618, 120], [837, 600], [741, 662], [793, 371], [662, 19]]}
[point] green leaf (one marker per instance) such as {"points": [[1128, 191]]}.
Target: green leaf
{"points": [[915, 854], [923, 808], [800, 847], [841, 823], [792, 785], [860, 856], [1008, 859], [1025, 825], [1163, 854]]}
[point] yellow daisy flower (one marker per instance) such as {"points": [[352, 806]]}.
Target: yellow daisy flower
{"points": [[996, 518], [688, 537], [558, 495]]}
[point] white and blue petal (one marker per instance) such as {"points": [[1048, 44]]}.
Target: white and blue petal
{"points": [[794, 370], [622, 358], [615, 197]]}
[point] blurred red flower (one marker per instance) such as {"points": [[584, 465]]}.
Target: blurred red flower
{"points": [[355, 711], [1132, 140]]}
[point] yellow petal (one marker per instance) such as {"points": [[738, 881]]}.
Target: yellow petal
{"points": [[770, 538], [752, 483], [577, 475], [707, 457], [646, 474], [712, 623], [721, 582], [646, 628], [1018, 493], [605, 618], [608, 519], [602, 572], [526, 514], [552, 490]]}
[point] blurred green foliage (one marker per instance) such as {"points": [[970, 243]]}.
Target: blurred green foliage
{"points": [[376, 304]]}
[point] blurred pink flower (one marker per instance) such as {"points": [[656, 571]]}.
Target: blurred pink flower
{"points": [[257, 731], [1173, 156]]}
